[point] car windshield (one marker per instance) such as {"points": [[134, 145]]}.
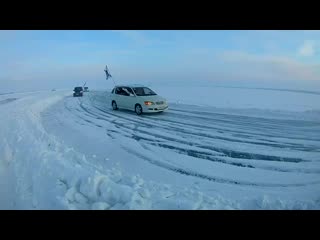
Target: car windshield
{"points": [[143, 91], [78, 89]]}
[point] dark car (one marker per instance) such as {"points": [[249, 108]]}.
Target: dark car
{"points": [[78, 92], [86, 89]]}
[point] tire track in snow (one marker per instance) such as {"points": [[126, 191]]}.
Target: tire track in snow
{"points": [[230, 153], [212, 178], [134, 129], [189, 152], [8, 100]]}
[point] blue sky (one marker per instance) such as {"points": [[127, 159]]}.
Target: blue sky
{"points": [[35, 60]]}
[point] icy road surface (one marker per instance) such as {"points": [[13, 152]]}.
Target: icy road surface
{"points": [[60, 152]]}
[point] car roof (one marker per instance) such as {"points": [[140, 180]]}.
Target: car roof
{"points": [[131, 85]]}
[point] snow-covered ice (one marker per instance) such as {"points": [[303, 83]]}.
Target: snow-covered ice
{"points": [[220, 151]]}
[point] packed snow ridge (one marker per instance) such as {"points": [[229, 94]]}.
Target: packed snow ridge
{"points": [[60, 152]]}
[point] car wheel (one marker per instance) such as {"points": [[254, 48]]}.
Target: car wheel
{"points": [[114, 105], [138, 109]]}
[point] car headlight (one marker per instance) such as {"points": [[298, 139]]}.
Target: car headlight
{"points": [[148, 103]]}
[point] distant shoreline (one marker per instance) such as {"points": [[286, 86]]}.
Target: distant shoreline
{"points": [[214, 86], [276, 89]]}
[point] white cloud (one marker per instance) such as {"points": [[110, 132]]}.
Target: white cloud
{"points": [[307, 49], [271, 67]]}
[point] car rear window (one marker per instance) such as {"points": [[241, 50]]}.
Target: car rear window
{"points": [[78, 89]]}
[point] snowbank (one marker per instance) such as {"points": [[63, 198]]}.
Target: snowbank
{"points": [[38, 171]]}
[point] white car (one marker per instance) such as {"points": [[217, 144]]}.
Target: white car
{"points": [[137, 98]]}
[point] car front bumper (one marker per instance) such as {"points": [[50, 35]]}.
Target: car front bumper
{"points": [[155, 108]]}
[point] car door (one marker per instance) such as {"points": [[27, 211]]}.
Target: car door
{"points": [[128, 98], [118, 97]]}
